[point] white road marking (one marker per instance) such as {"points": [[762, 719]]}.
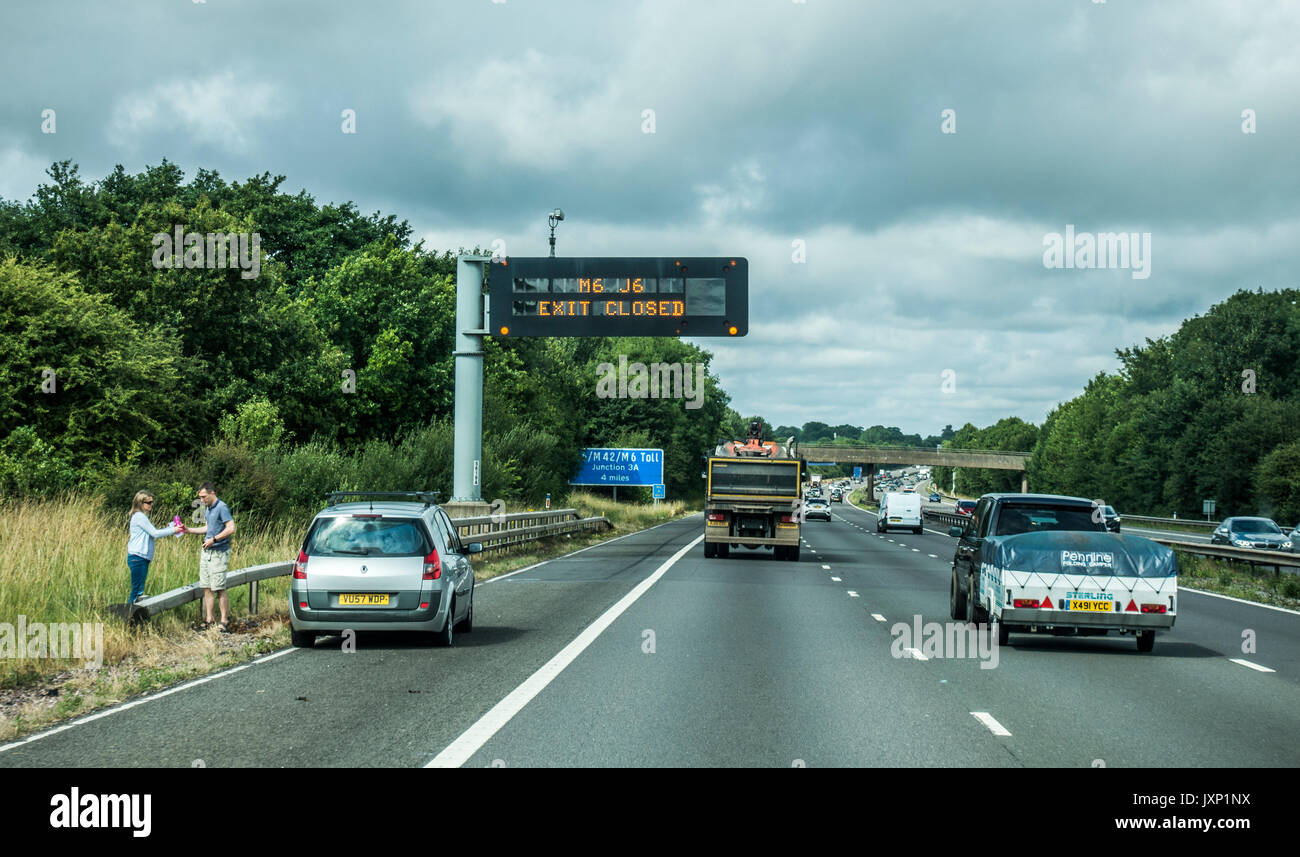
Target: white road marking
{"points": [[827, 567], [852, 594], [877, 617], [932, 556], [458, 752], [836, 579], [995, 727], [1246, 663], [916, 550], [1238, 600], [916, 654], [127, 705]]}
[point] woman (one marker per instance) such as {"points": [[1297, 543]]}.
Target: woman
{"points": [[139, 550]]}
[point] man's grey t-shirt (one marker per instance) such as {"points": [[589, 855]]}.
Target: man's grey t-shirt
{"points": [[218, 514]]}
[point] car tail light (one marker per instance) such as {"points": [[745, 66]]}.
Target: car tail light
{"points": [[1026, 602], [717, 516], [432, 566], [1153, 608], [302, 603], [300, 567]]}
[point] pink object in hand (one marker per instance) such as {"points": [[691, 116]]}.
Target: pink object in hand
{"points": [[176, 522]]}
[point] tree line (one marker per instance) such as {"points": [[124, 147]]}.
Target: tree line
{"points": [[332, 368]]}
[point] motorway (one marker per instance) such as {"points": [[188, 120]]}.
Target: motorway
{"points": [[621, 655]]}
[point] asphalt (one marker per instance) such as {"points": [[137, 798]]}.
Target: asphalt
{"points": [[746, 661]]}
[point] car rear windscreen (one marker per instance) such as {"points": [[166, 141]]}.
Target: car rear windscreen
{"points": [[368, 536], [1015, 519]]}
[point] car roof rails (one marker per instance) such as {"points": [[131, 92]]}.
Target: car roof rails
{"points": [[428, 498]]}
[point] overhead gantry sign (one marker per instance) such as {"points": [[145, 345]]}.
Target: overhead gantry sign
{"points": [[619, 296]]}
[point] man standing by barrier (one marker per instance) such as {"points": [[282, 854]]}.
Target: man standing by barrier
{"points": [[214, 561]]}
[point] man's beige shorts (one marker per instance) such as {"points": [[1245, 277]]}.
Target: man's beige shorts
{"points": [[212, 569]]}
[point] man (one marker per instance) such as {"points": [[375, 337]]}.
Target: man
{"points": [[214, 561]]}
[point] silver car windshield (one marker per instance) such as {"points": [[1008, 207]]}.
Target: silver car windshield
{"points": [[369, 535]]}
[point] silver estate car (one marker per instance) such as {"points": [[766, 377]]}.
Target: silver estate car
{"points": [[382, 563]]}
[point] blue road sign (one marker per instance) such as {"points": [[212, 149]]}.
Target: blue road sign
{"points": [[857, 473], [659, 491], [620, 467]]}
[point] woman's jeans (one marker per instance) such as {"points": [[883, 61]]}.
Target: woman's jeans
{"points": [[139, 569]]}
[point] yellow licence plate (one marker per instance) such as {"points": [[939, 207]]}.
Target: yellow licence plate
{"points": [[894, 520], [1095, 606], [356, 598]]}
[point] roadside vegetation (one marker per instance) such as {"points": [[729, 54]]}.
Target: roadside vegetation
{"points": [[65, 562], [1250, 583]]}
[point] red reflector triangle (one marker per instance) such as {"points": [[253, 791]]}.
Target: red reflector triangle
{"points": [[1131, 607], [1047, 604]]}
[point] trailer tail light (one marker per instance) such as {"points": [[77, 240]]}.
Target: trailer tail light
{"points": [[300, 567], [787, 519], [432, 566], [717, 516], [1153, 608], [1026, 602]]}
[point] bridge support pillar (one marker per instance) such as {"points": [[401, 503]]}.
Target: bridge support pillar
{"points": [[1024, 482]]}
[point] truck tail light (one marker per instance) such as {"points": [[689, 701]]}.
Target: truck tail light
{"points": [[1153, 608], [786, 519], [717, 516], [1026, 602]]}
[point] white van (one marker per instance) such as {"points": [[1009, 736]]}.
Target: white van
{"points": [[899, 511]]}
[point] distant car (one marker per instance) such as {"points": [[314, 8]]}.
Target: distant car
{"points": [[381, 563], [816, 507], [909, 489], [837, 496], [965, 507], [1254, 533], [1112, 518], [934, 497], [899, 511]]}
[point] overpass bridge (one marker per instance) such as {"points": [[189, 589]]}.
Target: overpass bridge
{"points": [[869, 456]]}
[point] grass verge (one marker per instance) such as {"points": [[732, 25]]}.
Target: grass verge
{"points": [[65, 562]]}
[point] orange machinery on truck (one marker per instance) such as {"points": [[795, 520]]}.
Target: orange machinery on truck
{"points": [[753, 497]]}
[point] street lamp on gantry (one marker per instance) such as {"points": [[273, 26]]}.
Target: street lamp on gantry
{"points": [[554, 218]]}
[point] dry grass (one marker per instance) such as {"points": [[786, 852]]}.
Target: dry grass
{"points": [[65, 561]]}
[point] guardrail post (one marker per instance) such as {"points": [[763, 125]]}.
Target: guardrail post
{"points": [[252, 598]]}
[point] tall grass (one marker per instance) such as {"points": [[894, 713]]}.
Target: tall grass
{"points": [[64, 560]]}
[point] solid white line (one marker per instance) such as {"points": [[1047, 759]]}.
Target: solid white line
{"points": [[580, 550], [916, 654], [133, 703], [877, 617], [1246, 663], [458, 752], [1182, 588], [995, 727], [852, 594]]}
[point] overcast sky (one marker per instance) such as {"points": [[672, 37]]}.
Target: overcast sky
{"points": [[776, 125]]}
